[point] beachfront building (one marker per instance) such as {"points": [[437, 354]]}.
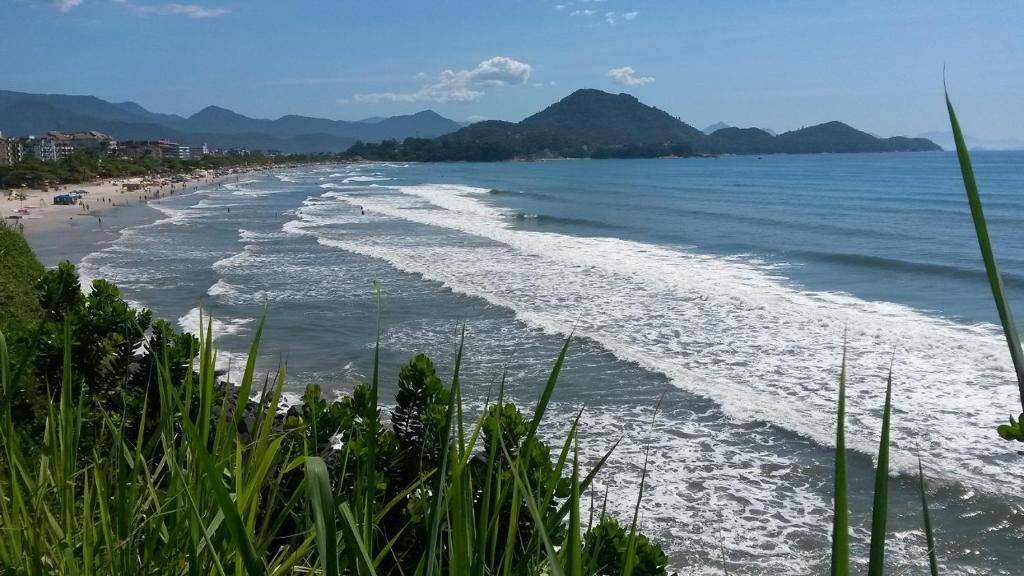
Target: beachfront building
{"points": [[63, 145], [198, 151], [43, 148], [10, 151], [174, 150], [95, 142], [136, 149]]}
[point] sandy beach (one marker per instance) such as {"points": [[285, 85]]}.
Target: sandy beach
{"points": [[70, 232], [36, 211]]}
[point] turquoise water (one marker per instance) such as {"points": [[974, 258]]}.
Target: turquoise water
{"points": [[725, 284]]}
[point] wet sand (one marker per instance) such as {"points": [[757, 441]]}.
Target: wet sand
{"points": [[57, 233]]}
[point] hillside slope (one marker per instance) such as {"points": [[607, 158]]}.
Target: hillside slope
{"points": [[23, 114], [594, 124], [19, 271]]}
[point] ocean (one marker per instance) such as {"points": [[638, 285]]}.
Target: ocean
{"points": [[724, 288]]}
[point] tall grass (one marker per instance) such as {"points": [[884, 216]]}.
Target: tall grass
{"points": [[840, 559], [188, 497], [206, 490], [1014, 430]]}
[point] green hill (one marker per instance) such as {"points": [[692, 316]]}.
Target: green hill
{"points": [[22, 114], [597, 119], [594, 124], [19, 271], [838, 137]]}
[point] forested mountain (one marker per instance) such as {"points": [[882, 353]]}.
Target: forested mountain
{"points": [[585, 124], [594, 124], [22, 114], [839, 137]]}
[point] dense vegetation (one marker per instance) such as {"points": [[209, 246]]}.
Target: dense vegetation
{"points": [[19, 271], [595, 124], [82, 167], [141, 464]]}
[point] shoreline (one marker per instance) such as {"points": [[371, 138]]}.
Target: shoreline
{"points": [[57, 233]]}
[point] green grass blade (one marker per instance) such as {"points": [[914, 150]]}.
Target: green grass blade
{"points": [[253, 563], [631, 546], [245, 389], [574, 554], [995, 279], [841, 509], [545, 397], [933, 564], [4, 368], [440, 497], [879, 512], [354, 542], [318, 486], [523, 486], [367, 493]]}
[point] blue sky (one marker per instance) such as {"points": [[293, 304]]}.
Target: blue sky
{"points": [[780, 65]]}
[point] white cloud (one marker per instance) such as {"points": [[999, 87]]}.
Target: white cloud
{"points": [[460, 85], [610, 16], [174, 9], [66, 5], [627, 77], [190, 10]]}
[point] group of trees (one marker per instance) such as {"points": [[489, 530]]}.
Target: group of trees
{"points": [[493, 142], [84, 166]]}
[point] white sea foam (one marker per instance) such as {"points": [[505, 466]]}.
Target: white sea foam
{"points": [[245, 236], [730, 331], [176, 216], [222, 288], [212, 204], [190, 322], [364, 179]]}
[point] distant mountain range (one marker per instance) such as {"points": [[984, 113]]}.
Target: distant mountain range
{"points": [[719, 125], [585, 124], [23, 114], [594, 124], [945, 139], [715, 127]]}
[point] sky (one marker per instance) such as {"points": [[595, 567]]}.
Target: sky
{"points": [[779, 65]]}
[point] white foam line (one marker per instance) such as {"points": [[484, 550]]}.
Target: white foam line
{"points": [[732, 332], [221, 327]]}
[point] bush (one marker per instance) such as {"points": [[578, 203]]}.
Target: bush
{"points": [[19, 271], [145, 464]]}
